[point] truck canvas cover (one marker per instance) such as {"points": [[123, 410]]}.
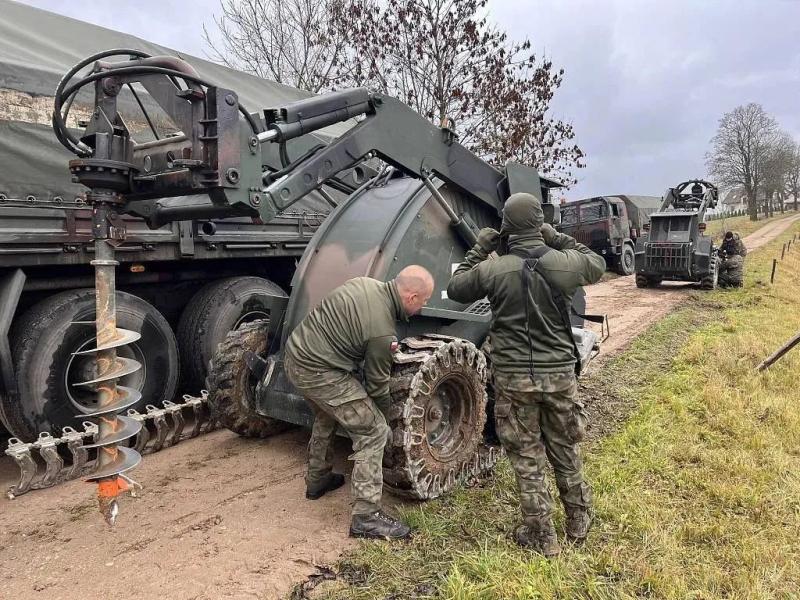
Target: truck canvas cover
{"points": [[640, 208]]}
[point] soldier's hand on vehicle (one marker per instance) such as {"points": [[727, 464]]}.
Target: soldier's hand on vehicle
{"points": [[488, 239], [548, 233]]}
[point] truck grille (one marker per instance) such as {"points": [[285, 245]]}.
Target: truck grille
{"points": [[582, 237], [667, 258]]}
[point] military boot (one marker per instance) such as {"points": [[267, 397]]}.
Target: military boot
{"points": [[317, 489], [541, 538], [578, 523], [378, 525]]}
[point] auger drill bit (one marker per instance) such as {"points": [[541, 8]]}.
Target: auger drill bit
{"points": [[112, 459], [106, 167]]}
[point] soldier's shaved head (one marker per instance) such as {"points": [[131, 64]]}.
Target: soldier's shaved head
{"points": [[414, 286], [415, 278]]}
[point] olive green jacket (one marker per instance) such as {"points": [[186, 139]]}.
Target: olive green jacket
{"points": [[734, 246], [568, 266], [354, 323]]}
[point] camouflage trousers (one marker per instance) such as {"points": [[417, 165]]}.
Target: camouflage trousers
{"points": [[339, 399], [537, 420], [731, 271]]}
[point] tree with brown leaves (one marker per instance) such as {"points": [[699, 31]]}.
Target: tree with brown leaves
{"points": [[442, 57]]}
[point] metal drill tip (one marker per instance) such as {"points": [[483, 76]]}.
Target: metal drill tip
{"points": [[126, 428], [125, 397], [123, 337], [121, 367], [109, 509], [125, 460]]}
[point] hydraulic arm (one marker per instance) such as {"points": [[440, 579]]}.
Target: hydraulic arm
{"points": [[215, 163]]}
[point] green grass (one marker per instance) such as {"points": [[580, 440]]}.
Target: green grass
{"points": [[741, 224], [697, 491]]}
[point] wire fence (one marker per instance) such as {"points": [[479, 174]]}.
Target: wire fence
{"points": [[785, 250]]}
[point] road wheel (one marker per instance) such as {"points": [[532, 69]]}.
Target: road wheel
{"points": [[437, 417], [231, 384], [626, 262], [213, 311], [43, 342]]}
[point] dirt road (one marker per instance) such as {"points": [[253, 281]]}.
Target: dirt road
{"points": [[631, 310], [221, 516]]}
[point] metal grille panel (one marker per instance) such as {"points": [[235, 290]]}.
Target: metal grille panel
{"points": [[668, 258]]}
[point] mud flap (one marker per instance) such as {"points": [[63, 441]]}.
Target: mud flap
{"points": [[11, 286]]}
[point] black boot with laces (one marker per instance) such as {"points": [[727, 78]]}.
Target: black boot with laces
{"points": [[378, 525], [317, 489]]}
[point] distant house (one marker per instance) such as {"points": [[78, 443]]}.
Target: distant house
{"points": [[735, 200]]}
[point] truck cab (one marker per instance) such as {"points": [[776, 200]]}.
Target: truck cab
{"points": [[609, 225]]}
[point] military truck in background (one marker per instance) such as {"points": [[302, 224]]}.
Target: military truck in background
{"points": [[610, 225], [675, 247]]}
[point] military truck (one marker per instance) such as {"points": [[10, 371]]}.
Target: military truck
{"points": [[182, 285], [675, 247], [609, 225]]}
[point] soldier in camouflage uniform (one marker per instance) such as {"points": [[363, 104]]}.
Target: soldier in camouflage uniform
{"points": [[354, 324], [536, 413], [731, 254]]}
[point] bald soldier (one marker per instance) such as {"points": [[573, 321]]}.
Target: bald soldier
{"points": [[354, 324]]}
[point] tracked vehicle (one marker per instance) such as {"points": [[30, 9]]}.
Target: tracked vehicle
{"points": [[421, 198], [675, 247]]}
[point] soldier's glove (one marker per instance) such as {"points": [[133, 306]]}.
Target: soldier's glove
{"points": [[548, 233], [488, 239]]}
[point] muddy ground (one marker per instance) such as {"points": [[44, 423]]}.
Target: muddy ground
{"points": [[222, 516]]}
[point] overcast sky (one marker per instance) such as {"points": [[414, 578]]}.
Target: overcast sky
{"points": [[645, 82]]}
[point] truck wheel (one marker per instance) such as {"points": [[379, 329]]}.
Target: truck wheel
{"points": [[437, 417], [643, 281], [626, 262], [43, 341], [710, 280], [231, 384], [213, 311]]}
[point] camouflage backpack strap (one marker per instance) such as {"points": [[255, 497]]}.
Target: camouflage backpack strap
{"points": [[530, 264]]}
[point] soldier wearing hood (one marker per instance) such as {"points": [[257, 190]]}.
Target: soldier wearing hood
{"points": [[731, 254], [537, 415]]}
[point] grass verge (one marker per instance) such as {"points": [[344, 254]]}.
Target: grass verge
{"points": [[741, 224], [695, 465]]}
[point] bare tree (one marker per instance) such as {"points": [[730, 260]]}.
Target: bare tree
{"points": [[776, 171], [793, 173], [741, 149], [288, 41], [443, 58]]}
